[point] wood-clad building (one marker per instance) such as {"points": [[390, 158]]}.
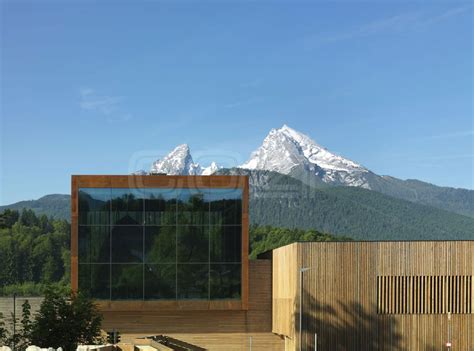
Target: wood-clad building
{"points": [[169, 255], [415, 295]]}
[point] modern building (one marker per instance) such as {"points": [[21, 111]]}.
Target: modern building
{"points": [[169, 255], [166, 241]]}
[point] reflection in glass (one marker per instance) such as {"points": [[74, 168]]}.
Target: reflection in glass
{"points": [[193, 281], [160, 244], [225, 281], [94, 206], [94, 280], [160, 281], [193, 244], [94, 244], [127, 207], [225, 206], [192, 207], [127, 282], [160, 206], [127, 244], [226, 243]]}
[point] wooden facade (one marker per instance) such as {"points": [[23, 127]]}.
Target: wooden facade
{"points": [[161, 181], [376, 295]]}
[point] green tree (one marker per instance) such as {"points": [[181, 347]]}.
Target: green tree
{"points": [[28, 218], [8, 218], [65, 322], [26, 326], [3, 331]]}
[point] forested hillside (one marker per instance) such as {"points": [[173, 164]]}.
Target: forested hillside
{"points": [[34, 252], [284, 201], [264, 238], [57, 206]]}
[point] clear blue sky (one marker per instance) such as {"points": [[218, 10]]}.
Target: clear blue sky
{"points": [[105, 88]]}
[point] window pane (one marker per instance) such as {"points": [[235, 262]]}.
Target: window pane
{"points": [[160, 206], [94, 280], [94, 206], [193, 208], [127, 206], [193, 281], [94, 244], [226, 243], [160, 281], [226, 206], [127, 281], [127, 244], [225, 281], [160, 244], [193, 243]]}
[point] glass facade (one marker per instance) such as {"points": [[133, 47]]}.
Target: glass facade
{"points": [[159, 243]]}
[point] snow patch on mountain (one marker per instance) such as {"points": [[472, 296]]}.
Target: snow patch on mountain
{"points": [[180, 162], [285, 149]]}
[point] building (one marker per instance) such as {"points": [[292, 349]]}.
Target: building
{"points": [[169, 255], [166, 241], [410, 295]]}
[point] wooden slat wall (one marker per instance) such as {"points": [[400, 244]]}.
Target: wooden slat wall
{"points": [[420, 298], [213, 329], [340, 298]]}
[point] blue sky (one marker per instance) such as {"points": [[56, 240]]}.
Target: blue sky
{"points": [[107, 87]]}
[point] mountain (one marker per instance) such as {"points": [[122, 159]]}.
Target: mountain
{"points": [[57, 206], [292, 153], [283, 201], [284, 150], [180, 162], [295, 154]]}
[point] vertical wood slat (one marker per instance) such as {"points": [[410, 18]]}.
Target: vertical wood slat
{"points": [[424, 294], [401, 278]]}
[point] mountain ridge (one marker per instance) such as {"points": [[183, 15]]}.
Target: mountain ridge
{"points": [[295, 154], [283, 201]]}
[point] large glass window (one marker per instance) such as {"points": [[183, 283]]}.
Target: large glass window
{"points": [[226, 243], [127, 244], [94, 280], [160, 206], [127, 282], [193, 244], [94, 244], [160, 243], [193, 281], [226, 206], [94, 206], [193, 208], [127, 207], [160, 281]]}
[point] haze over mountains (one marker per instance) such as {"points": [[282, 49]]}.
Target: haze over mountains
{"points": [[295, 182]]}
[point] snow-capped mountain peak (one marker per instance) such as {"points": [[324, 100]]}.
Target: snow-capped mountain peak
{"points": [[180, 162], [285, 149]]}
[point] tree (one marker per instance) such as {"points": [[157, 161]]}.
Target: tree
{"points": [[28, 218], [8, 218], [26, 326], [65, 322], [3, 331]]}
